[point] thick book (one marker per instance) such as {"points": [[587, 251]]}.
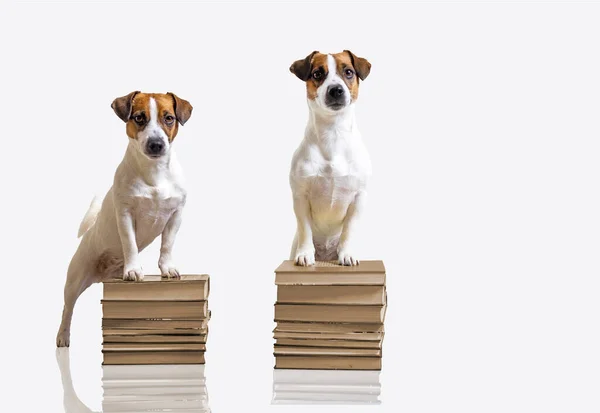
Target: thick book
{"points": [[154, 287], [155, 309], [326, 351], [331, 294], [308, 327], [139, 332], [153, 357], [330, 313], [330, 336], [330, 273], [154, 324], [327, 363], [328, 343], [198, 339], [153, 347]]}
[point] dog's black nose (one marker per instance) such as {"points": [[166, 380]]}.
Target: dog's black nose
{"points": [[155, 146], [336, 91]]}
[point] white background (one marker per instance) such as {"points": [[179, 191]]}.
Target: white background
{"points": [[482, 122]]}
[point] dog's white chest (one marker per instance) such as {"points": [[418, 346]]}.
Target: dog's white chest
{"points": [[330, 186], [333, 182], [330, 177], [344, 170], [335, 168], [153, 206]]}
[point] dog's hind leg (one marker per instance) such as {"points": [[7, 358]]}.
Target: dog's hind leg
{"points": [[79, 278]]}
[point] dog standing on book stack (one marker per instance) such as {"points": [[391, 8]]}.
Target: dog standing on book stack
{"points": [[330, 169], [146, 200]]}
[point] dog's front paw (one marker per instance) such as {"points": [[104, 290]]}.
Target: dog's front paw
{"points": [[305, 258], [169, 272], [133, 274], [63, 338], [346, 258], [167, 268]]}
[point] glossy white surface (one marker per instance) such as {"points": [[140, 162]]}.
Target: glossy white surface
{"points": [[130, 389], [326, 387]]}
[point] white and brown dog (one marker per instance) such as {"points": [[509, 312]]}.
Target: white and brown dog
{"points": [[330, 169], [146, 200]]}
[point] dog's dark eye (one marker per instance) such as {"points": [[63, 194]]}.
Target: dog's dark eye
{"points": [[349, 73], [169, 119], [317, 74], [139, 119]]}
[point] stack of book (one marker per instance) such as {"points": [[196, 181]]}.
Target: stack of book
{"points": [[171, 388], [326, 387], [156, 321], [330, 316]]}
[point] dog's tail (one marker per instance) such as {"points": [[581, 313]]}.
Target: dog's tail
{"points": [[90, 216]]}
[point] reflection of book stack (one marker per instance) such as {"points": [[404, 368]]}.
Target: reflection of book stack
{"points": [[154, 388], [156, 321], [330, 316], [326, 387]]}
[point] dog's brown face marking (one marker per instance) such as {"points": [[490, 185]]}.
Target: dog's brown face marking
{"points": [[140, 114], [346, 71], [135, 110], [318, 74], [314, 70]]}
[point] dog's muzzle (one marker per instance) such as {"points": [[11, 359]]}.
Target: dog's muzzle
{"points": [[155, 147], [336, 97]]}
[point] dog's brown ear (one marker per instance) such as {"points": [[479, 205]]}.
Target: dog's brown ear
{"points": [[302, 67], [183, 108], [362, 66], [122, 106]]}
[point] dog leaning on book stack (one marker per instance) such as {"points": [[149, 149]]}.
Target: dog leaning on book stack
{"points": [[329, 316], [146, 200]]}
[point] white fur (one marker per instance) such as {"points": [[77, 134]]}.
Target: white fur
{"points": [[328, 178], [90, 216], [146, 200]]}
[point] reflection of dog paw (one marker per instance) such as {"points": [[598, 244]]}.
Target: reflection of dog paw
{"points": [[169, 272], [345, 258], [63, 339], [133, 274], [305, 258]]}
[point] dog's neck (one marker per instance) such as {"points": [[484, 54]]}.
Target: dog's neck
{"points": [[326, 127], [152, 171]]}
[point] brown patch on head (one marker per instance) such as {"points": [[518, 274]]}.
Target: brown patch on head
{"points": [[302, 68], [134, 109], [313, 70], [183, 108], [318, 74], [350, 69], [122, 105], [361, 65]]}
